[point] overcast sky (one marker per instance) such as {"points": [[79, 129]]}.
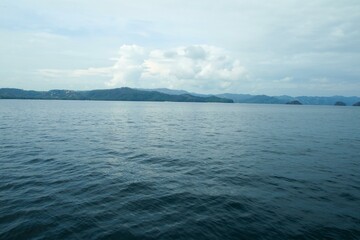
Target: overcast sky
{"points": [[270, 47]]}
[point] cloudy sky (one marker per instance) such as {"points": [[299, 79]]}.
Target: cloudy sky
{"points": [[270, 47]]}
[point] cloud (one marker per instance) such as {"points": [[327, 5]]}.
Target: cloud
{"points": [[195, 67], [284, 80], [53, 73]]}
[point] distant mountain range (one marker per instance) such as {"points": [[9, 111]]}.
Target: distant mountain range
{"points": [[264, 99], [169, 95], [117, 94]]}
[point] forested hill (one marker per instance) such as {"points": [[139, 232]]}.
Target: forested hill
{"points": [[117, 94]]}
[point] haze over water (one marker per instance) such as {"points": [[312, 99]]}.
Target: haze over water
{"points": [[147, 170]]}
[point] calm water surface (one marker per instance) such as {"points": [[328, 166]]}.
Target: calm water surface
{"points": [[145, 170]]}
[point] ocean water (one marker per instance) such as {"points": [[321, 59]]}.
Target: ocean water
{"points": [[147, 170]]}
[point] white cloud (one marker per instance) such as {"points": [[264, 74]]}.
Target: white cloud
{"points": [[284, 80], [53, 73], [195, 67]]}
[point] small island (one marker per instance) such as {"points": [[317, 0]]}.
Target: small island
{"points": [[357, 104], [294, 102], [339, 103]]}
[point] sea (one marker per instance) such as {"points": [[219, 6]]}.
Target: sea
{"points": [[162, 170]]}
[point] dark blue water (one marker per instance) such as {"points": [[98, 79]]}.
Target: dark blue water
{"points": [[143, 170]]}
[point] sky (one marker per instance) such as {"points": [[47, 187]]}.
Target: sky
{"points": [[273, 47]]}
